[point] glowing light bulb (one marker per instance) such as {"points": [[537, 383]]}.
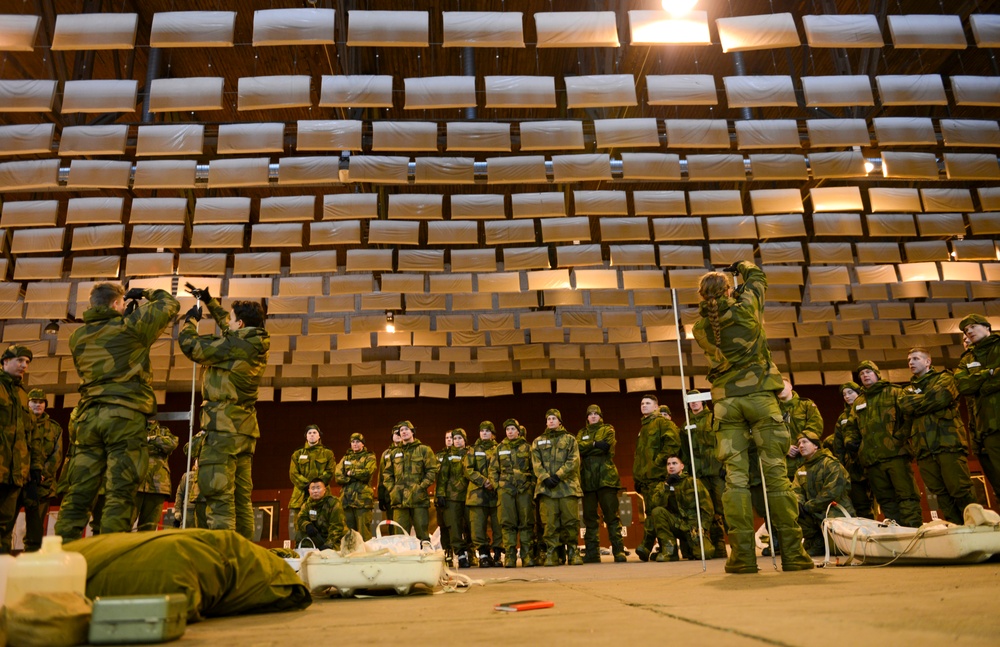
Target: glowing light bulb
{"points": [[679, 7], [869, 167]]}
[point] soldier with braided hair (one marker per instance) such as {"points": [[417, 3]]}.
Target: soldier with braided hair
{"points": [[745, 382]]}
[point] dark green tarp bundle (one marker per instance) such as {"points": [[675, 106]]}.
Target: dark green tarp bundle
{"points": [[220, 572]]}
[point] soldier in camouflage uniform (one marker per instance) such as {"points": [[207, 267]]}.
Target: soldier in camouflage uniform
{"points": [[20, 450], [978, 377], [819, 481], [321, 518], [439, 505], [411, 472], [600, 483], [930, 404], [481, 500], [309, 462], [658, 438], [450, 491], [555, 459], [674, 516], [800, 415], [384, 462], [510, 468], [155, 488], [708, 468], [111, 354], [234, 364], [195, 502], [744, 385], [354, 475], [861, 495], [880, 434], [36, 508]]}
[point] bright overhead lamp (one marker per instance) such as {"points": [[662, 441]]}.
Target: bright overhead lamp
{"points": [[51, 328], [679, 7], [390, 321]]}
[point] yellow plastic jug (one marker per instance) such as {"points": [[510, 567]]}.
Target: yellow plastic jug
{"points": [[49, 569]]}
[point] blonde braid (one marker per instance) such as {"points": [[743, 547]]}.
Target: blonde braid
{"points": [[712, 286]]}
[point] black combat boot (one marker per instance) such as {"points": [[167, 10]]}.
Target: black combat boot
{"points": [[485, 561], [463, 560]]}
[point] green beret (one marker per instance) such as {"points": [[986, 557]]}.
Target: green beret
{"points": [[486, 424], [870, 365], [665, 409], [407, 424], [554, 412], [511, 422], [811, 435], [974, 319], [594, 409], [358, 437], [854, 386], [458, 432], [36, 394]]}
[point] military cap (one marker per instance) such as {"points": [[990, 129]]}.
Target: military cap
{"points": [[694, 392], [36, 394], [594, 409], [458, 432], [405, 423], [854, 386], [511, 422], [316, 427], [870, 365], [486, 424], [358, 437], [974, 319], [811, 435], [15, 350], [554, 412], [665, 409]]}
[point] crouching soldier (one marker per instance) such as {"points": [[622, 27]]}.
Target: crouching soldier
{"points": [[321, 517], [819, 481], [511, 470], [674, 516]]}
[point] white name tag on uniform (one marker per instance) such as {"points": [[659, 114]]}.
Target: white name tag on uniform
{"points": [[544, 442], [585, 438], [347, 462], [303, 457], [802, 473], [863, 405], [973, 365], [454, 458], [480, 453], [398, 454], [505, 452]]}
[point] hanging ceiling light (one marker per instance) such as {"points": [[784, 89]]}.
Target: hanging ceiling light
{"points": [[51, 328], [679, 7], [390, 321]]}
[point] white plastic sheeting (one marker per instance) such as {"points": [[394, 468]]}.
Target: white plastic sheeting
{"points": [[192, 29]]}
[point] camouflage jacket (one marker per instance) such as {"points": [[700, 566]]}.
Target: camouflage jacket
{"points": [[555, 453], [195, 494], [678, 498], [111, 352], [511, 468], [411, 473], [477, 469], [978, 376], [21, 447], [161, 443], [705, 442], [597, 466], [306, 464], [742, 363], [658, 439], [877, 422], [383, 465], [451, 481], [820, 480], [327, 515], [51, 446], [234, 365], [848, 457], [930, 405], [354, 474], [799, 414]]}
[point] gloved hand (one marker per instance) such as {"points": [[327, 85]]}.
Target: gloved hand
{"points": [[36, 476], [202, 294], [193, 314], [602, 445], [722, 473], [177, 522], [312, 531], [802, 511], [135, 293], [853, 446], [441, 502], [733, 269], [383, 506], [31, 494], [130, 307], [551, 481]]}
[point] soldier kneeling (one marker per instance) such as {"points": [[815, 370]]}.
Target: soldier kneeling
{"points": [[674, 517]]}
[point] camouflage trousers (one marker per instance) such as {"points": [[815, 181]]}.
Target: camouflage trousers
{"points": [[110, 450], [36, 516], [455, 520], [988, 452], [946, 475], [360, 519], [895, 489], [8, 515], [670, 529], [482, 517], [417, 518], [225, 481], [517, 519], [442, 524], [715, 486], [149, 510], [645, 490], [605, 498], [560, 520], [861, 498]]}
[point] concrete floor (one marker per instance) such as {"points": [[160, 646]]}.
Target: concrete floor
{"points": [[631, 603]]}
